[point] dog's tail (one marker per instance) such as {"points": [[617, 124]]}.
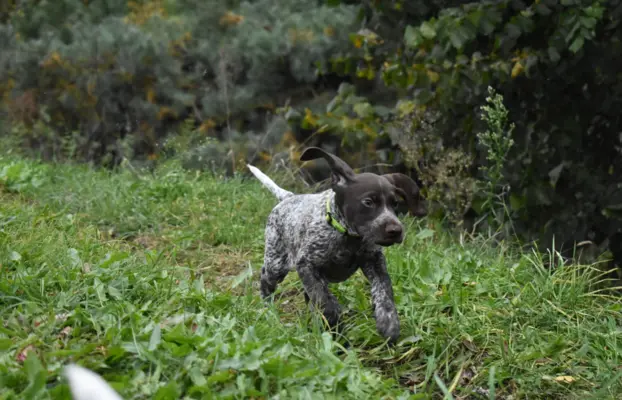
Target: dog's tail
{"points": [[87, 385], [280, 193]]}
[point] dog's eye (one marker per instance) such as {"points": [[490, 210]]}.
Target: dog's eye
{"points": [[367, 202]]}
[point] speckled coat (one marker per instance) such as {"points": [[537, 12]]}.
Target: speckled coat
{"points": [[298, 235]]}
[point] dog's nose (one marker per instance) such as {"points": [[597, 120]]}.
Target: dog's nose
{"points": [[393, 230]]}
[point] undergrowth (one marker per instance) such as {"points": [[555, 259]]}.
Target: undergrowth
{"points": [[150, 279]]}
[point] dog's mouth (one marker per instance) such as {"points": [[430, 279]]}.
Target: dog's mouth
{"points": [[389, 242]]}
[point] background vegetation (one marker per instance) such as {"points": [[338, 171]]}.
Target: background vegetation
{"points": [[380, 82], [506, 112]]}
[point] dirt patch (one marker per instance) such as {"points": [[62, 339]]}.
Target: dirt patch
{"points": [[221, 266], [150, 241]]}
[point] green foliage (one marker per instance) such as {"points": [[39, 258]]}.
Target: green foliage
{"points": [[36, 18], [449, 186], [113, 79], [117, 79], [109, 81], [553, 62], [16, 175], [150, 280], [498, 141]]}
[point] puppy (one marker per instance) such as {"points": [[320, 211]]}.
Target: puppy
{"points": [[328, 236]]}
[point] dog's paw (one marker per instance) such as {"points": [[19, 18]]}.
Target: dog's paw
{"points": [[332, 314], [267, 292], [388, 325]]}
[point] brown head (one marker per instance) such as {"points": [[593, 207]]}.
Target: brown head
{"points": [[367, 201]]}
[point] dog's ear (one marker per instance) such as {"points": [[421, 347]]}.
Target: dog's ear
{"points": [[342, 174], [408, 189]]}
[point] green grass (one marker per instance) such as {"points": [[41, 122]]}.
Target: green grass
{"points": [[151, 281]]}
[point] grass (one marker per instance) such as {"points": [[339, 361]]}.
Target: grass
{"points": [[151, 281]]}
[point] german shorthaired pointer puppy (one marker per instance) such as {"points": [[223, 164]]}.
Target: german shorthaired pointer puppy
{"points": [[327, 236]]}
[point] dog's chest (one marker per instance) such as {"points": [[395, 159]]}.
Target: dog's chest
{"points": [[340, 264]]}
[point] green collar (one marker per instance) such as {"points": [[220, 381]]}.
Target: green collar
{"points": [[334, 223]]}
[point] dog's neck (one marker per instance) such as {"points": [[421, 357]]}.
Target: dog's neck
{"points": [[335, 217]]}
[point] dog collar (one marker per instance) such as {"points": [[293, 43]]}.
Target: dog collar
{"points": [[333, 222]]}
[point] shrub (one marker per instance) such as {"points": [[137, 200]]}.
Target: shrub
{"points": [[552, 63], [130, 75]]}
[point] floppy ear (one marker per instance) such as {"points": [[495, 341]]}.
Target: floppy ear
{"points": [[342, 174], [408, 189]]}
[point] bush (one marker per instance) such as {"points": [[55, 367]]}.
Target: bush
{"points": [[552, 63], [117, 81], [114, 79]]}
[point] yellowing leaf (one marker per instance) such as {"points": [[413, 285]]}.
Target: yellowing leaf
{"points": [[369, 131], [304, 35], [309, 119], [329, 31], [141, 12], [517, 69], [564, 379], [151, 94], [406, 107], [348, 123], [265, 156], [207, 125], [433, 76], [231, 19], [166, 112], [289, 138]]}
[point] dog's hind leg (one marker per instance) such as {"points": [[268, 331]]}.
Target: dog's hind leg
{"points": [[276, 264], [273, 271]]}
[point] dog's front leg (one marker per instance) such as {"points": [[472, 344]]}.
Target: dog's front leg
{"points": [[374, 267], [316, 291]]}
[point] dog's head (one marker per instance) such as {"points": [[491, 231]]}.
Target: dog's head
{"points": [[367, 201]]}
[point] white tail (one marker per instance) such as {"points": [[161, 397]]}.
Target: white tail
{"points": [[269, 183], [87, 385]]}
